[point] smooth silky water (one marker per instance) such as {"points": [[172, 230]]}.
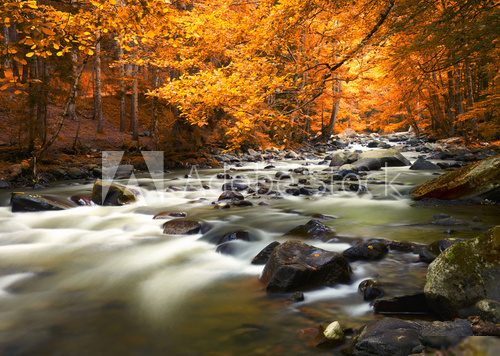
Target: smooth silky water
{"points": [[106, 280]]}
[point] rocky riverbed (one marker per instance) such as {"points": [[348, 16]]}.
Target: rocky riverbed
{"points": [[367, 245]]}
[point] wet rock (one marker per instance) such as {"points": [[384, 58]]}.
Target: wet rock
{"points": [[449, 221], [282, 176], [26, 202], [370, 290], [82, 200], [295, 266], [241, 203], [115, 193], [403, 305], [396, 337], [401, 246], [227, 244], [313, 229], [429, 253], [231, 195], [297, 297], [234, 186], [4, 184], [484, 328], [464, 274], [170, 214], [223, 176], [341, 158], [292, 155], [373, 144], [301, 170], [369, 250], [333, 332], [422, 164], [181, 227], [488, 310], [390, 157], [473, 180], [368, 164], [263, 256]]}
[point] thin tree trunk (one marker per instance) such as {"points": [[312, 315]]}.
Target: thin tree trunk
{"points": [[123, 93], [337, 89], [134, 115], [154, 117], [98, 115], [458, 92], [469, 85]]}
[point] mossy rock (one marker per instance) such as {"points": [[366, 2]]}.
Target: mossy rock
{"points": [[473, 180], [464, 274], [114, 194]]}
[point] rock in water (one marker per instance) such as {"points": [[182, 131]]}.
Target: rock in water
{"points": [[406, 304], [391, 157], [465, 274], [26, 202], [370, 290], [116, 194], [263, 256], [295, 266], [474, 180], [313, 229], [369, 250], [396, 337], [181, 227], [334, 332], [421, 164], [225, 243]]}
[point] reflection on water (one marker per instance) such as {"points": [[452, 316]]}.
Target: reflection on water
{"points": [[105, 280]]}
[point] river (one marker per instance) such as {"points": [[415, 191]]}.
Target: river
{"points": [[97, 280]]}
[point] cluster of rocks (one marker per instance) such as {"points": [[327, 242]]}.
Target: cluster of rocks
{"points": [[461, 291]]}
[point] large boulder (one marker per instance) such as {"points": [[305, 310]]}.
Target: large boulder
{"points": [[390, 157], [296, 266], [27, 202], [465, 274], [396, 337], [477, 179], [343, 157], [111, 193]]}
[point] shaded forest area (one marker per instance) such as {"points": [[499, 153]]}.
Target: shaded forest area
{"points": [[187, 77]]}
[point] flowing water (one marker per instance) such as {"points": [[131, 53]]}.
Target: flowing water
{"points": [[106, 281]]}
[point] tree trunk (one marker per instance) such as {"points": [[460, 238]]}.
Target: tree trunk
{"points": [[98, 115], [337, 89], [154, 117], [134, 115], [123, 92], [469, 86]]}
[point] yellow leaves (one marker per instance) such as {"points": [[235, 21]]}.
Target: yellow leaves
{"points": [[31, 5], [56, 46], [30, 54], [6, 21], [90, 52], [5, 86], [60, 53], [47, 31]]}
